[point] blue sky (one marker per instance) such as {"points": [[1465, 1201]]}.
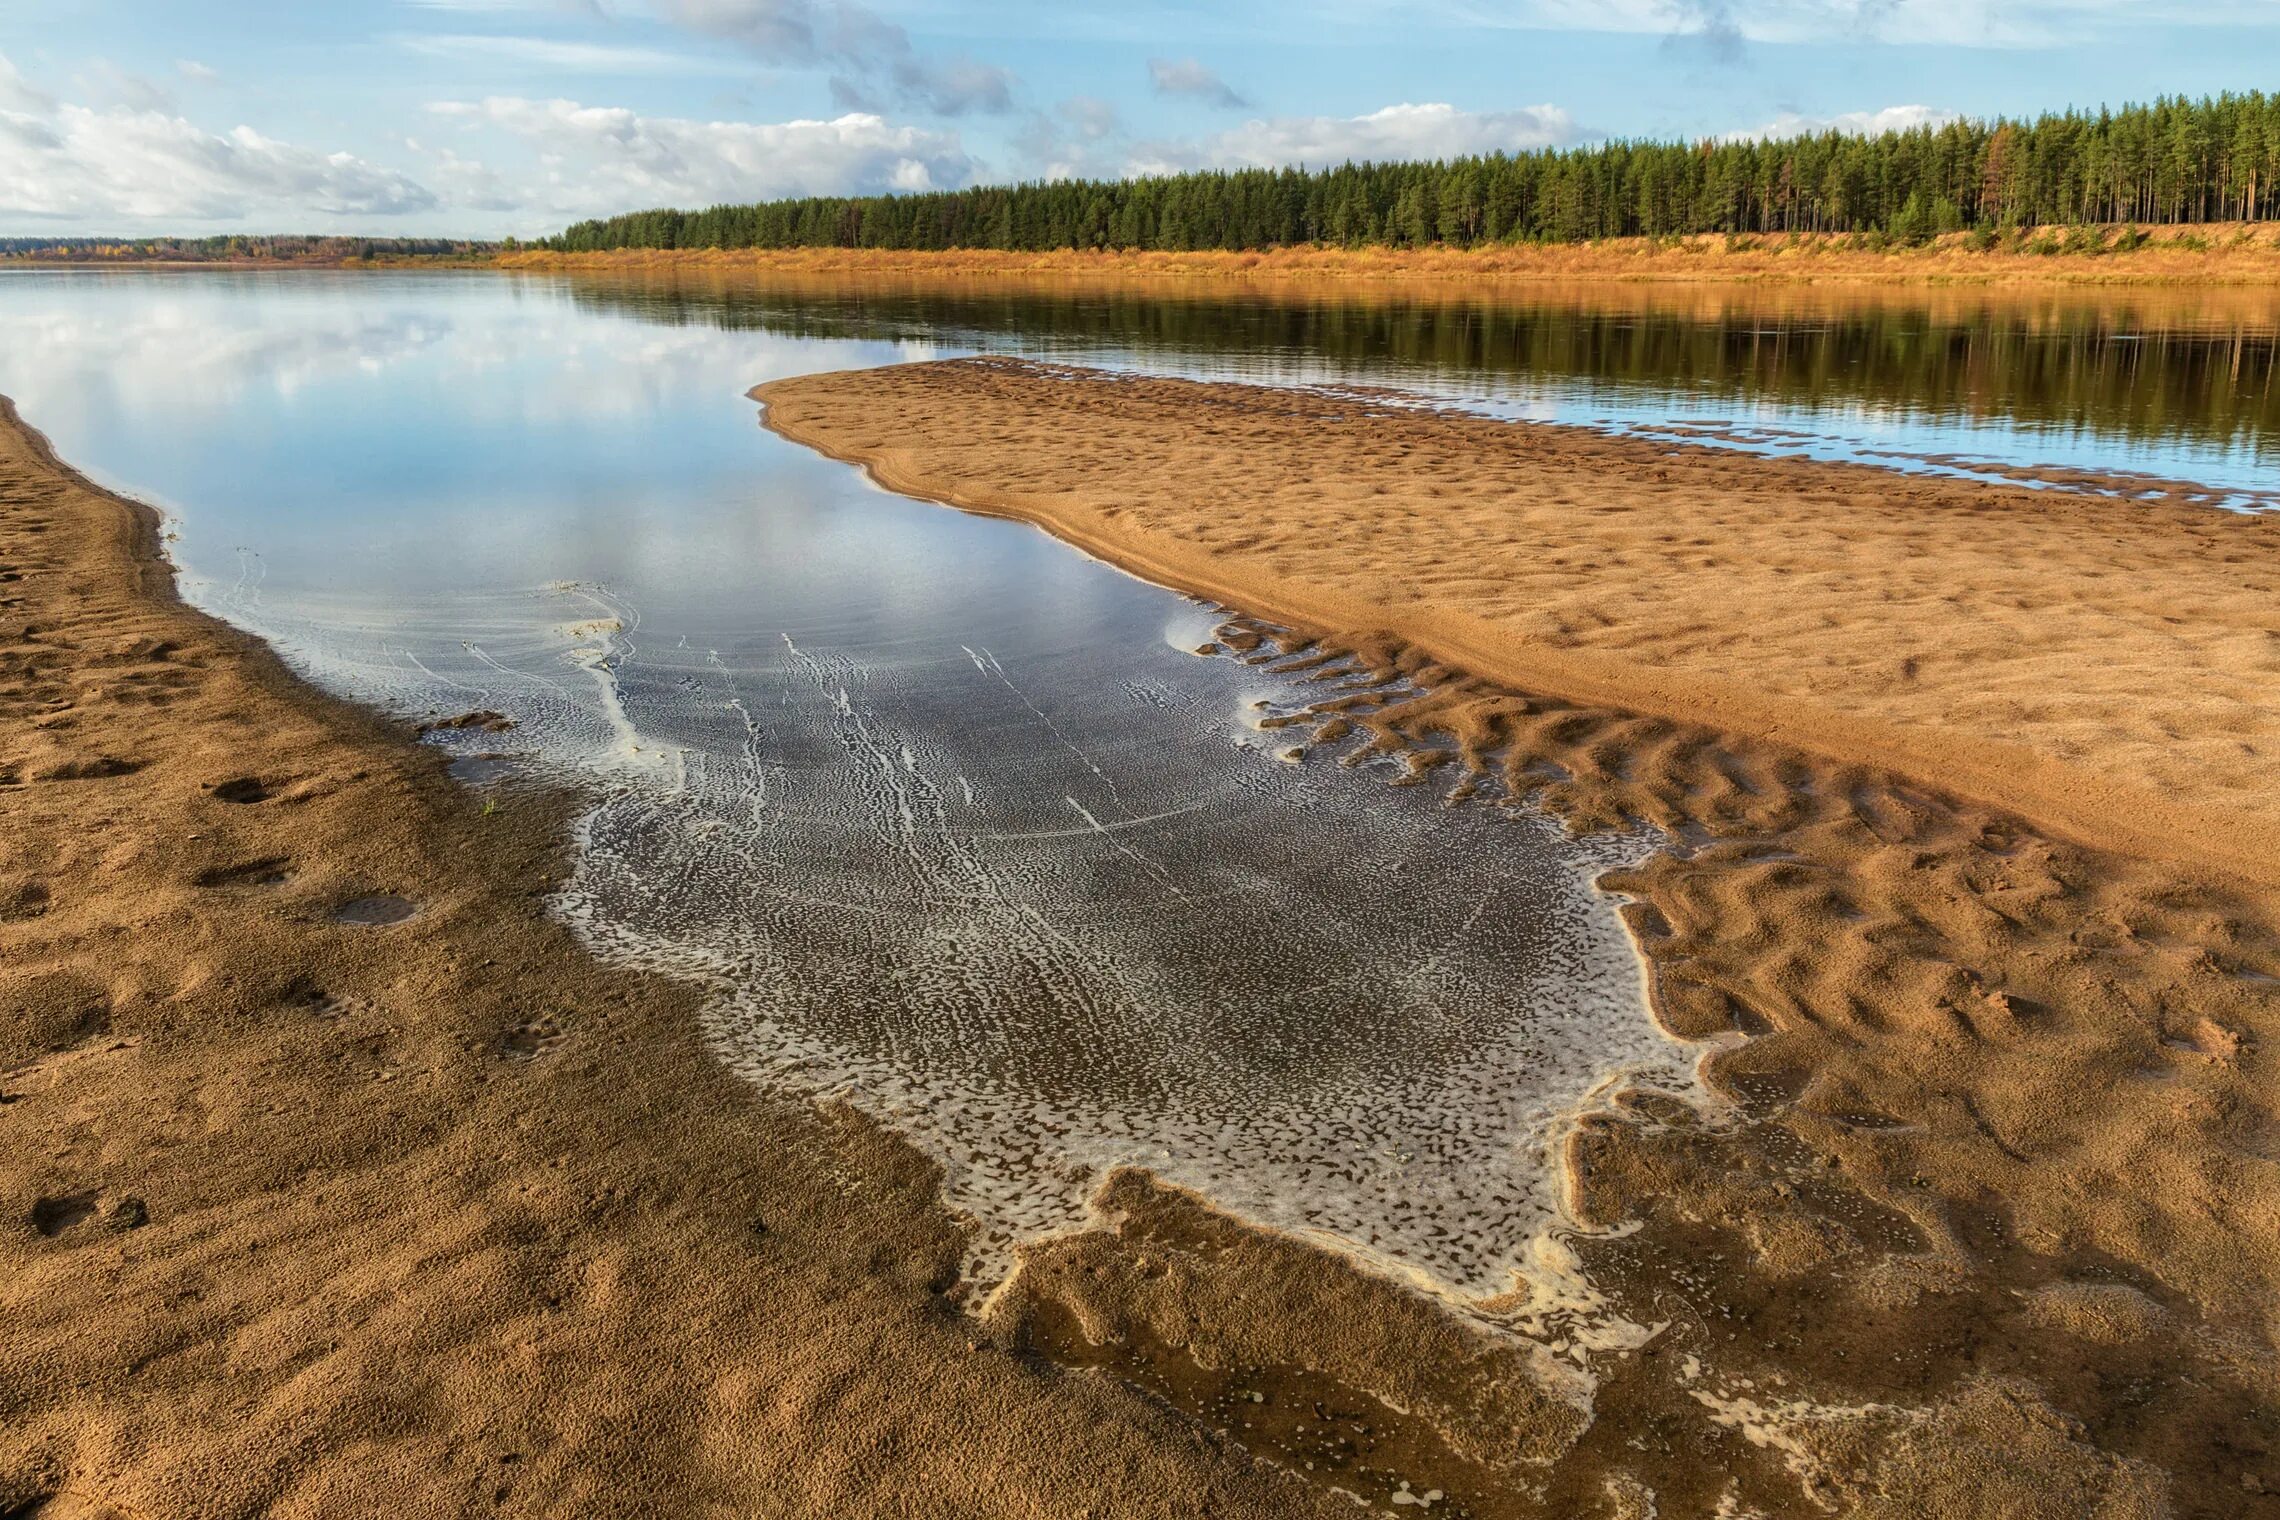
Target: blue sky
{"points": [[486, 117]]}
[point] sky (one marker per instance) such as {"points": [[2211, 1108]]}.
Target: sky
{"points": [[485, 118]]}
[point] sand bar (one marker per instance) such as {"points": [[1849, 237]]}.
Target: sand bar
{"points": [[2101, 666]]}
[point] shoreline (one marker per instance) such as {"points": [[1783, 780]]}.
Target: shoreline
{"points": [[2083, 807], [2202, 257], [2219, 256], [460, 1216], [461, 1184]]}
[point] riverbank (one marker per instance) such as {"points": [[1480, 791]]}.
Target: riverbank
{"points": [[1973, 789], [2215, 254], [313, 1216]]}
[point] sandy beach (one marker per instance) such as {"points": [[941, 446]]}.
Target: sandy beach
{"points": [[2094, 664], [1971, 788], [318, 1215]]}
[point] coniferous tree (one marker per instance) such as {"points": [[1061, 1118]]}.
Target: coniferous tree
{"points": [[2175, 160]]}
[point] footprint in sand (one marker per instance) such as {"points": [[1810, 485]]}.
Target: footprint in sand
{"points": [[54, 1214], [240, 789], [375, 912], [22, 899], [527, 1042], [89, 768], [271, 871], [325, 1005]]}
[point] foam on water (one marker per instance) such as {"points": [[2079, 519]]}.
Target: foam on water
{"points": [[1048, 919]]}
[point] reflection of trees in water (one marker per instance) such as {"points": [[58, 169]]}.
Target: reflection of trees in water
{"points": [[2106, 367]]}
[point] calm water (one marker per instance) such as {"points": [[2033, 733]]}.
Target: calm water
{"points": [[2179, 384], [953, 818]]}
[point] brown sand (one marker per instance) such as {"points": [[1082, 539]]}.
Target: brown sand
{"points": [[440, 1217], [1978, 843]]}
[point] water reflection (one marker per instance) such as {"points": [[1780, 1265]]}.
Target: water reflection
{"points": [[2075, 377]]}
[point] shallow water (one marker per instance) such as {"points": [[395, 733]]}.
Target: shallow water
{"points": [[954, 818]]}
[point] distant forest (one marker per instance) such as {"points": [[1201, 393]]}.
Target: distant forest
{"points": [[233, 248], [2173, 161]]}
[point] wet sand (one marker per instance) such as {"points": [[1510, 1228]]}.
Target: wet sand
{"points": [[1972, 796]]}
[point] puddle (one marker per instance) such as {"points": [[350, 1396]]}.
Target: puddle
{"points": [[1049, 924]]}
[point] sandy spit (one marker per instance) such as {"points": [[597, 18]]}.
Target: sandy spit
{"points": [[1975, 869], [303, 1217], [2101, 667]]}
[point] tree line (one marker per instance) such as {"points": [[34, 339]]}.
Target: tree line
{"points": [[2173, 161], [236, 247]]}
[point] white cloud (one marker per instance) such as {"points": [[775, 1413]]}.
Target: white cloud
{"points": [[948, 87], [1397, 132], [528, 164], [1723, 25], [595, 160], [792, 27], [196, 72], [1081, 138], [575, 57], [107, 82], [1855, 123], [1090, 117], [28, 133], [19, 94], [1185, 76], [871, 57], [127, 165]]}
